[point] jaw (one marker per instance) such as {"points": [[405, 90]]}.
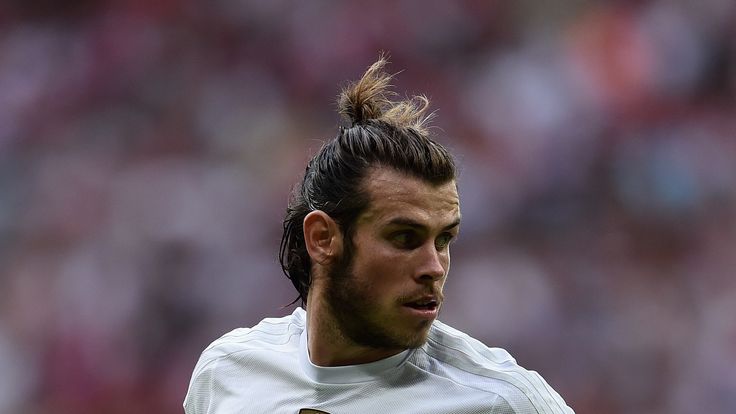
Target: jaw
{"points": [[330, 345], [341, 336]]}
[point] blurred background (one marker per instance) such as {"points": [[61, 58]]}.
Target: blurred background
{"points": [[147, 151]]}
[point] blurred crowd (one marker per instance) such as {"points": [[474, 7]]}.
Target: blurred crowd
{"points": [[147, 151]]}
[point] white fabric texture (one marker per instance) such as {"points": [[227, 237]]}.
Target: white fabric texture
{"points": [[266, 369]]}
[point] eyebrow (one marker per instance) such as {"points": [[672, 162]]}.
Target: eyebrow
{"points": [[403, 221]]}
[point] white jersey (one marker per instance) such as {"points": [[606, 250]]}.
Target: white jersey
{"points": [[266, 369]]}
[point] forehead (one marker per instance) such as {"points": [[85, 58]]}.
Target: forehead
{"points": [[395, 194]]}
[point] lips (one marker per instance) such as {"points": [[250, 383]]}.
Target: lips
{"points": [[424, 303], [424, 309]]}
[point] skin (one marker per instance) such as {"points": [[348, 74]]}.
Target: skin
{"points": [[356, 306]]}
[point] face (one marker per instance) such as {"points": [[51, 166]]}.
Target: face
{"points": [[387, 289]]}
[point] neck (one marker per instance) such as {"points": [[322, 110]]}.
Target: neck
{"points": [[328, 346]]}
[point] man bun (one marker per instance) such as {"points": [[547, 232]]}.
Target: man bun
{"points": [[370, 98]]}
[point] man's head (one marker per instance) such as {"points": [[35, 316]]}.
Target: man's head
{"points": [[382, 134], [371, 222], [385, 292]]}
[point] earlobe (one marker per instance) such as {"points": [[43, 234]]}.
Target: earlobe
{"points": [[322, 237]]}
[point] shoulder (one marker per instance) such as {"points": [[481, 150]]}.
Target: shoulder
{"points": [[458, 357], [273, 334], [228, 355]]}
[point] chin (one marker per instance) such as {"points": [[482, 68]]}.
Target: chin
{"points": [[416, 343], [418, 339]]}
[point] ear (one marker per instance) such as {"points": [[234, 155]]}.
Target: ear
{"points": [[322, 236]]}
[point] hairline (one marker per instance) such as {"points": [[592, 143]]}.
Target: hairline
{"points": [[364, 190]]}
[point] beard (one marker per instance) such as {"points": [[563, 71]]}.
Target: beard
{"points": [[358, 316]]}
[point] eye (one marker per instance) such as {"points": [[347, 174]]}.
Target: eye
{"points": [[443, 240], [405, 239]]}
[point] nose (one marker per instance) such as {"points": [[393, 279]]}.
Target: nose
{"points": [[432, 264]]}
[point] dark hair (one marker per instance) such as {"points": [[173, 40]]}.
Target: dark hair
{"points": [[382, 133]]}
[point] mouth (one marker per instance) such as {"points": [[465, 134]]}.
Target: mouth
{"points": [[424, 307]]}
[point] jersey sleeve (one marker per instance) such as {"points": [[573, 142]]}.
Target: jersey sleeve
{"points": [[199, 393]]}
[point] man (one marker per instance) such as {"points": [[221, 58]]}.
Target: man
{"points": [[366, 243]]}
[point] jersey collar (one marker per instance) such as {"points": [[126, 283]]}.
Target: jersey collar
{"points": [[348, 374]]}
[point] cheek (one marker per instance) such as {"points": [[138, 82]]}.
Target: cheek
{"points": [[383, 271], [386, 270]]}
